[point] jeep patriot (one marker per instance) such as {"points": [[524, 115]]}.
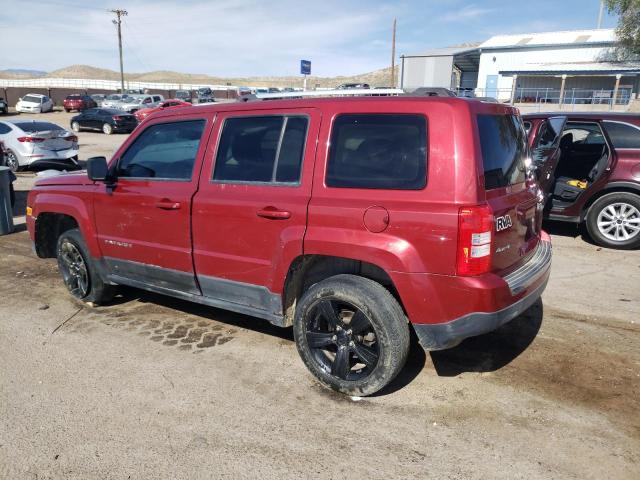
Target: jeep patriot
{"points": [[351, 219]]}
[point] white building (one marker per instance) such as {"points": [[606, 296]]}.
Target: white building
{"points": [[580, 66]]}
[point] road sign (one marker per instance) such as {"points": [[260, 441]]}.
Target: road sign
{"points": [[305, 67]]}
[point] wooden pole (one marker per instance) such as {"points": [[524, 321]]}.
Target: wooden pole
{"points": [[393, 55]]}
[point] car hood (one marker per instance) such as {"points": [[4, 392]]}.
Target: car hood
{"points": [[65, 178]]}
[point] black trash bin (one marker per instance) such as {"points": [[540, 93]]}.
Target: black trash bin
{"points": [[6, 210]]}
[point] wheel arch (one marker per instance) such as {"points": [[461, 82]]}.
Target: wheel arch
{"points": [[307, 270], [613, 187]]}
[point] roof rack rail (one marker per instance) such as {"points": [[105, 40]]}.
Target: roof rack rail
{"points": [[347, 92]]}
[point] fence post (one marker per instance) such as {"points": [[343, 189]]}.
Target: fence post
{"points": [[513, 88], [615, 91], [564, 80]]}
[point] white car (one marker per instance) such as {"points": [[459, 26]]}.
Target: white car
{"points": [[30, 143], [114, 100], [34, 103], [138, 102]]}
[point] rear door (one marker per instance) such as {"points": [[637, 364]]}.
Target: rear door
{"points": [[545, 151], [250, 213], [513, 200]]}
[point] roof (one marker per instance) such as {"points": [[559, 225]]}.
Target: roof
{"points": [[586, 115], [448, 51], [577, 68], [566, 37]]}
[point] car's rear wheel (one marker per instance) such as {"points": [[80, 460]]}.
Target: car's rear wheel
{"points": [[107, 129], [614, 220], [78, 270], [75, 126], [11, 161], [352, 334]]}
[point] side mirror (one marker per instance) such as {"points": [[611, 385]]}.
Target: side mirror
{"points": [[97, 169]]}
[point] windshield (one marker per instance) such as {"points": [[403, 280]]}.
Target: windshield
{"points": [[32, 127], [30, 98]]}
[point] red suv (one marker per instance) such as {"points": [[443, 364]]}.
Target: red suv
{"points": [[78, 102], [353, 220], [594, 176]]}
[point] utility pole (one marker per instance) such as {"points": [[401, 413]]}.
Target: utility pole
{"points": [[393, 55], [118, 23], [601, 14]]}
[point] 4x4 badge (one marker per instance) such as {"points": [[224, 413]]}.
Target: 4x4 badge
{"points": [[504, 222]]}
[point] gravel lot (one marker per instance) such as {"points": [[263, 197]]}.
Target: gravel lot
{"points": [[152, 387]]}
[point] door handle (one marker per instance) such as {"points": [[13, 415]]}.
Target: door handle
{"points": [[273, 213], [166, 204]]}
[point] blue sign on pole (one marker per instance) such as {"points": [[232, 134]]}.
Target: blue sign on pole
{"points": [[305, 67]]}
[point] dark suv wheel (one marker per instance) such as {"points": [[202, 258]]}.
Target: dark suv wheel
{"points": [[78, 270], [352, 334], [614, 220]]}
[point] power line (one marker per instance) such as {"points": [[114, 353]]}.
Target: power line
{"points": [[118, 23]]}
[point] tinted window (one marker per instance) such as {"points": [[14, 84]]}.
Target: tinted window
{"points": [[29, 98], [37, 126], [74, 97], [527, 126], [504, 149], [4, 128], [378, 151], [156, 99], [550, 133], [165, 151], [261, 149], [623, 135], [584, 133]]}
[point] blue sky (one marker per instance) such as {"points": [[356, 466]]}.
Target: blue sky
{"points": [[254, 37]]}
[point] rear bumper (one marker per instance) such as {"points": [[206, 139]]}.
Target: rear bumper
{"points": [[454, 308]]}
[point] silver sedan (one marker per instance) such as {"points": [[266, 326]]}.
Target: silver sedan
{"points": [[31, 143]]}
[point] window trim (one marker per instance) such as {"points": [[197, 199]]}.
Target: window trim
{"points": [[285, 117], [426, 154], [116, 163], [622, 123]]}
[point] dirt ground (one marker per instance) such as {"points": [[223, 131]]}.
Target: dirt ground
{"points": [[152, 387]]}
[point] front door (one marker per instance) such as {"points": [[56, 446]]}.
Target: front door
{"points": [[250, 212], [143, 221], [491, 87], [546, 151]]}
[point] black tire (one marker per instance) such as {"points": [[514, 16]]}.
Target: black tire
{"points": [[72, 249], [613, 216], [379, 342]]}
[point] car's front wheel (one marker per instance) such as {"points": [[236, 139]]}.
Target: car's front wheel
{"points": [[614, 220], [352, 334], [107, 129], [78, 270], [11, 161]]}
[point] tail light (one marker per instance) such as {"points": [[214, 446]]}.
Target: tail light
{"points": [[71, 138], [475, 237], [30, 139]]}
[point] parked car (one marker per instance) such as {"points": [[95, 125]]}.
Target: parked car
{"points": [[34, 103], [184, 95], [173, 103], [349, 86], [78, 102], [98, 98], [4, 106], [205, 95], [353, 244], [594, 179], [114, 100], [12, 177], [137, 102], [37, 143], [109, 120]]}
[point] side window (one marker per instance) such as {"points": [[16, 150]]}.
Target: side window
{"points": [[623, 135], [550, 133], [378, 151], [157, 99], [163, 151], [584, 133], [261, 149], [4, 128], [527, 126]]}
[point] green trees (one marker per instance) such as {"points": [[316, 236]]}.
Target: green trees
{"points": [[628, 30]]}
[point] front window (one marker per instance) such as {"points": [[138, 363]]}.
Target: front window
{"points": [[503, 143], [31, 99]]}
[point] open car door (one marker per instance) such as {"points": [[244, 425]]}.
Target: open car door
{"points": [[546, 151]]}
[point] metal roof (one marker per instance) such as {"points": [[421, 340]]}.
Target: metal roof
{"points": [[564, 38], [576, 68]]}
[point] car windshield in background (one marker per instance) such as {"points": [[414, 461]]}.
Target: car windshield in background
{"points": [[29, 98], [504, 150], [32, 127], [74, 97]]}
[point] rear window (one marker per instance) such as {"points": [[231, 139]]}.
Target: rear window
{"points": [[74, 97], [33, 127], [378, 151], [623, 135], [504, 149]]}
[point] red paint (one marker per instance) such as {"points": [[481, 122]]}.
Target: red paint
{"points": [[252, 233]]}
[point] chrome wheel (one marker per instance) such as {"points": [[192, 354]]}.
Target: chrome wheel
{"points": [[75, 126], [619, 222], [74, 269], [12, 161], [106, 128], [342, 340]]}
